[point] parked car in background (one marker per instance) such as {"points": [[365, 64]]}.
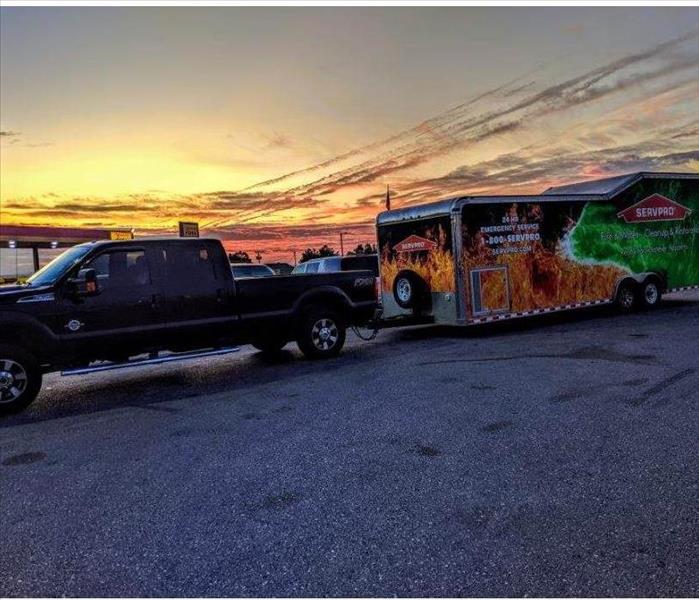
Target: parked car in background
{"points": [[280, 268], [251, 270], [334, 264]]}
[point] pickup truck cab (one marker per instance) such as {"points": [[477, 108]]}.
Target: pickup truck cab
{"points": [[110, 301]]}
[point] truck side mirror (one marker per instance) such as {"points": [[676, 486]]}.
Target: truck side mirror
{"points": [[91, 285], [85, 284]]}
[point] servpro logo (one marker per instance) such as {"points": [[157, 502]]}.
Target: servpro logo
{"points": [[654, 208], [415, 243]]}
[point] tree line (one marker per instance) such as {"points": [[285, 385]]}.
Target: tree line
{"points": [[309, 253]]}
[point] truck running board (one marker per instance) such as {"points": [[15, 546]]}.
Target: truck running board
{"points": [[139, 362]]}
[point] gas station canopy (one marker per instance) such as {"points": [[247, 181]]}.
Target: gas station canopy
{"points": [[27, 236]]}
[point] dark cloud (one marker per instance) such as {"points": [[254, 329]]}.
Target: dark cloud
{"points": [[77, 208], [510, 172], [10, 133], [690, 133], [299, 233]]}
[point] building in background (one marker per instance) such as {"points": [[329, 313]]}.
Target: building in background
{"points": [[24, 249]]}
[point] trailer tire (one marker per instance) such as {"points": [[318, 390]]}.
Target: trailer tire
{"points": [[321, 332], [410, 290], [20, 379], [650, 293], [627, 296]]}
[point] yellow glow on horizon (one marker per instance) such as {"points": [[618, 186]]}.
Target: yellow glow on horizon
{"points": [[115, 173]]}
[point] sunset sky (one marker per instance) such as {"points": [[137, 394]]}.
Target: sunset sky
{"points": [[277, 128]]}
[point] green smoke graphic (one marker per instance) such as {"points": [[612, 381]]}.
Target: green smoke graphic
{"points": [[671, 247]]}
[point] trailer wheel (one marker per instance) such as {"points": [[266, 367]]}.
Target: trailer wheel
{"points": [[650, 293], [410, 290], [20, 379], [321, 333], [626, 297]]}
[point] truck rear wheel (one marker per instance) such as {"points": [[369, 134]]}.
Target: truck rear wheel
{"points": [[321, 333], [650, 293], [20, 379]]}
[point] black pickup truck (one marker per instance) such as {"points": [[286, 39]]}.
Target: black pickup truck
{"points": [[103, 304]]}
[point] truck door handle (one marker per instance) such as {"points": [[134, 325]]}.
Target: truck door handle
{"points": [[153, 301]]}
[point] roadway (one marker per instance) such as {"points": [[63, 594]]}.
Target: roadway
{"points": [[553, 457]]}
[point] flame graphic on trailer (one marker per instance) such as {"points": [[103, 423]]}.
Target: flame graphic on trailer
{"points": [[571, 246]]}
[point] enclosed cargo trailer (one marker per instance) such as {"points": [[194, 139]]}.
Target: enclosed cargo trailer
{"points": [[475, 259]]}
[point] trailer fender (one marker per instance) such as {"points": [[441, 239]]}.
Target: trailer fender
{"points": [[638, 279]]}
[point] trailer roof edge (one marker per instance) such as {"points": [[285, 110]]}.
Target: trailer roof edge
{"points": [[562, 193]]}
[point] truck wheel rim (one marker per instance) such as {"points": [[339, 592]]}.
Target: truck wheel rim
{"points": [[13, 380], [404, 290], [651, 292], [324, 334]]}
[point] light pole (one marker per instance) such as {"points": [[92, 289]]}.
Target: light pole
{"points": [[342, 245]]}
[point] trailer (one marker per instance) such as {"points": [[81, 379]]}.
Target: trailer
{"points": [[475, 259]]}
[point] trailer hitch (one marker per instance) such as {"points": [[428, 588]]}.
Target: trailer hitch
{"points": [[373, 326]]}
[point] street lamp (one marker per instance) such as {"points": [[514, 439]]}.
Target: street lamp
{"points": [[342, 245]]}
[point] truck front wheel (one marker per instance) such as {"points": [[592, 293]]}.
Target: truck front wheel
{"points": [[321, 333], [20, 379]]}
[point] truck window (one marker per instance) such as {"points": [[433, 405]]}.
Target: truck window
{"points": [[329, 265], [120, 269], [49, 273], [361, 263], [188, 266]]}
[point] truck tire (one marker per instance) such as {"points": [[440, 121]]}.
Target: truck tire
{"points": [[650, 293], [269, 345], [627, 296], [321, 332], [410, 290], [20, 379]]}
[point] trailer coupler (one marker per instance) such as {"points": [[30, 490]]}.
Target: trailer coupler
{"points": [[153, 359], [373, 326]]}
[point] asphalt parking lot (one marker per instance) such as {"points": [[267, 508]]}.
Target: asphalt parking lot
{"points": [[549, 457]]}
